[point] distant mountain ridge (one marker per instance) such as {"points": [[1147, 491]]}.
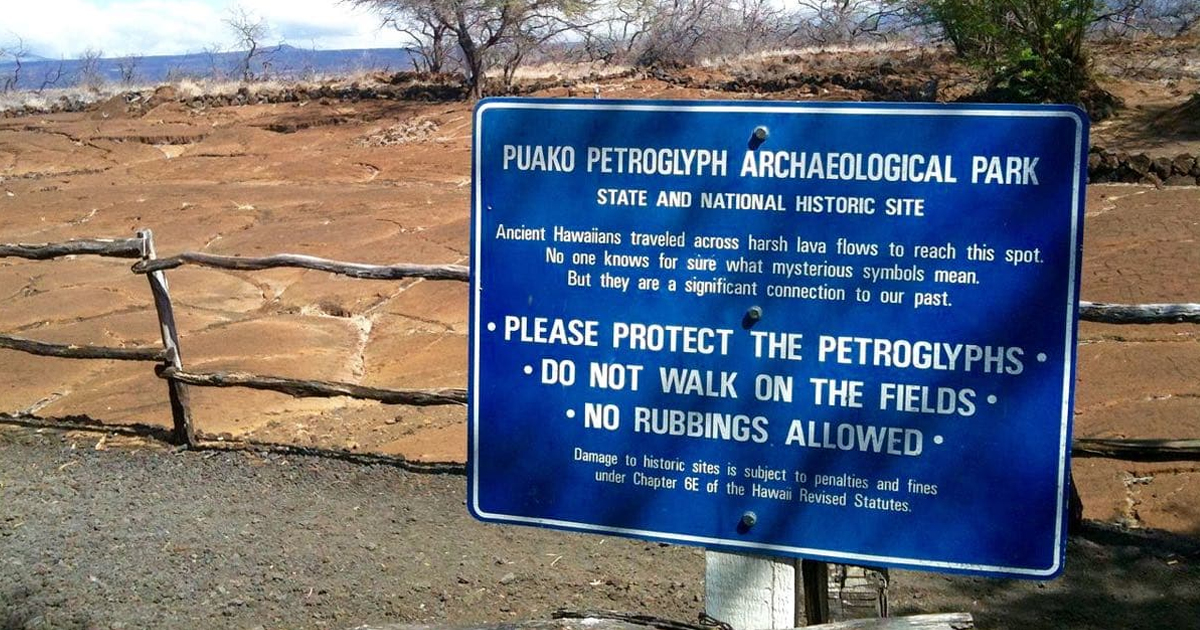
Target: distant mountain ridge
{"points": [[281, 61]]}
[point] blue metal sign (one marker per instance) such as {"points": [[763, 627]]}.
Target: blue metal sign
{"points": [[837, 331]]}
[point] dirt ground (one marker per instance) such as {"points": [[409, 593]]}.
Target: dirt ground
{"points": [[152, 538], [384, 182]]}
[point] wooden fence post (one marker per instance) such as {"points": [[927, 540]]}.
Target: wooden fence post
{"points": [[813, 580], [180, 413], [1074, 505]]}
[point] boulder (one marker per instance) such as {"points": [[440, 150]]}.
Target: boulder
{"points": [[1161, 166], [1183, 164], [1133, 168], [164, 94], [1102, 166]]}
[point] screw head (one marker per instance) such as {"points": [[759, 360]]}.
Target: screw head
{"points": [[749, 519], [761, 133], [754, 314]]}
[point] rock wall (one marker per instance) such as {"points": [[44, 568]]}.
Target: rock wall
{"points": [[1117, 166], [137, 101], [1103, 166]]}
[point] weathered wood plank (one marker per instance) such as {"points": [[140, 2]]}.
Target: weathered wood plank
{"points": [[556, 624], [177, 394], [83, 423], [1139, 313], [814, 583], [319, 389], [353, 270], [593, 615], [215, 443], [113, 248], [73, 351], [1074, 505], [1138, 450], [946, 621]]}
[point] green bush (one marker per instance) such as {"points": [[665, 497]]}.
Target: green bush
{"points": [[1033, 50]]}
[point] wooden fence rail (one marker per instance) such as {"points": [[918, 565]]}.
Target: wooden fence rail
{"points": [[1138, 450], [1139, 313], [353, 270], [319, 389], [73, 351], [171, 366], [114, 248]]}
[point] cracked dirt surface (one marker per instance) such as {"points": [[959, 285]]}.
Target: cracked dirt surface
{"points": [[1140, 381], [222, 181]]}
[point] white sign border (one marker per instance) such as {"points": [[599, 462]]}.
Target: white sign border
{"points": [[726, 107]]}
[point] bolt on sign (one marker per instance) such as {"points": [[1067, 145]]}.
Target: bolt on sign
{"points": [[837, 331]]}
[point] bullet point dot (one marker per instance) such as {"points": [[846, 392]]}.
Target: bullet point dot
{"points": [[937, 439], [1041, 357], [491, 326], [529, 369], [992, 400], [570, 413]]}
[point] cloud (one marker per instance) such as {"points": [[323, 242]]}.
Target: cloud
{"points": [[65, 28]]}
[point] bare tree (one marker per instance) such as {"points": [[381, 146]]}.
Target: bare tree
{"points": [[127, 67], [680, 32], [844, 21], [429, 42], [52, 76], [249, 33], [482, 29], [1182, 15], [763, 22], [512, 53], [1171, 18], [535, 35], [17, 52], [308, 63], [618, 27], [212, 55], [90, 74], [1119, 18]]}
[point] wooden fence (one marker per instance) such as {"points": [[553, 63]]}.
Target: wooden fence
{"points": [[169, 357], [170, 365]]}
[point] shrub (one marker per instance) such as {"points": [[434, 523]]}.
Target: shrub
{"points": [[1033, 49]]}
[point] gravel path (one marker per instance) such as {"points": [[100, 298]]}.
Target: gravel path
{"points": [[155, 539], [144, 537]]}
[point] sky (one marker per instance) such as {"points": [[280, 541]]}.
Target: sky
{"points": [[65, 28]]}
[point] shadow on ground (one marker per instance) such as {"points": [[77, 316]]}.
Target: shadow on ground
{"points": [[1114, 578]]}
